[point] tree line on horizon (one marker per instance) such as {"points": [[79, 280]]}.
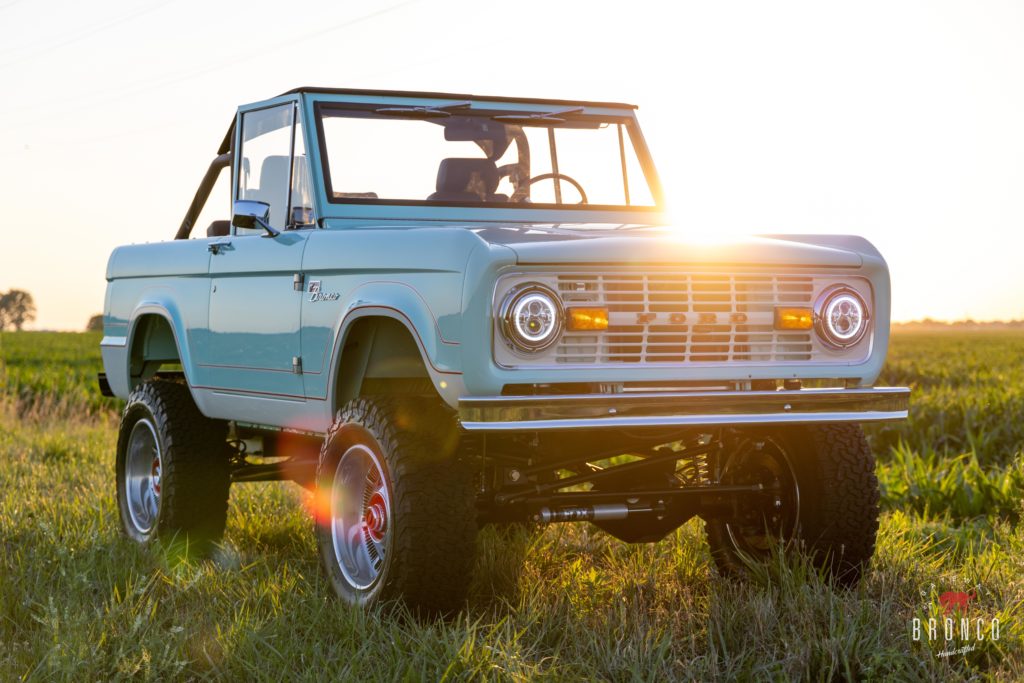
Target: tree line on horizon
{"points": [[959, 324]]}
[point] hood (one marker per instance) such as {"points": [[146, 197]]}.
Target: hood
{"points": [[546, 243]]}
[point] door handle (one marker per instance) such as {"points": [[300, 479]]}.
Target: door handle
{"points": [[215, 247]]}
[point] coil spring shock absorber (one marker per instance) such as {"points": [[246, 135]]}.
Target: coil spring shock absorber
{"points": [[695, 470]]}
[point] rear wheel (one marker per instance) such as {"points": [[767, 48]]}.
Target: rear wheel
{"points": [[396, 516], [820, 491], [172, 468]]}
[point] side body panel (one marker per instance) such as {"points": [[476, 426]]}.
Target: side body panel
{"points": [[245, 356], [253, 331]]}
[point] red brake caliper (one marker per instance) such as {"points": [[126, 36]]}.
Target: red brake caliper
{"points": [[375, 517]]}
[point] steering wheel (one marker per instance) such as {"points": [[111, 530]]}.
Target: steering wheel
{"points": [[558, 176]]}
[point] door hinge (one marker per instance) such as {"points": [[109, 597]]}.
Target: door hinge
{"points": [[297, 365], [299, 282]]}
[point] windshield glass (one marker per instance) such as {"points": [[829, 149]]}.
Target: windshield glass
{"points": [[424, 155]]}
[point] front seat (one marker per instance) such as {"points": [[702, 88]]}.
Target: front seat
{"points": [[273, 188], [467, 180]]}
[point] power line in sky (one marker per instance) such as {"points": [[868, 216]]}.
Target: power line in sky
{"points": [[172, 79], [148, 84], [79, 36]]}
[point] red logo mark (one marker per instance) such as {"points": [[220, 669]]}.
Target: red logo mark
{"points": [[955, 600]]}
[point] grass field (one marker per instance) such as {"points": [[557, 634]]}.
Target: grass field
{"points": [[77, 601]]}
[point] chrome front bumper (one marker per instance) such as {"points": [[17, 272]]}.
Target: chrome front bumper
{"points": [[682, 409]]}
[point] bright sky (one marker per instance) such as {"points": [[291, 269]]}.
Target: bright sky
{"points": [[899, 120]]}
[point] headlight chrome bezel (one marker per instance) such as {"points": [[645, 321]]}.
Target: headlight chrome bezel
{"points": [[824, 309], [511, 306]]}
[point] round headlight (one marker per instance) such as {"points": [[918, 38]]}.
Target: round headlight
{"points": [[840, 317], [531, 317]]}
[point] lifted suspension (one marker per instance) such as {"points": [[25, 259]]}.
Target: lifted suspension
{"points": [[638, 500]]}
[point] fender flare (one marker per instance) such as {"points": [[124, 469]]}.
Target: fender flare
{"points": [[403, 304], [172, 316]]}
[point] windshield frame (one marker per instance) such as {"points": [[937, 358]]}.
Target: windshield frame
{"points": [[323, 108]]}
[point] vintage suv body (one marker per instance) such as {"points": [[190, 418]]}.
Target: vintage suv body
{"points": [[442, 311]]}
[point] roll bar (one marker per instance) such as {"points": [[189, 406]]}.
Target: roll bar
{"points": [[224, 158]]}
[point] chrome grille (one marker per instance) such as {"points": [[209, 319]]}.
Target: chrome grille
{"points": [[686, 318]]}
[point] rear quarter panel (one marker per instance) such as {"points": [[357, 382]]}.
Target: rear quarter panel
{"points": [[168, 279]]}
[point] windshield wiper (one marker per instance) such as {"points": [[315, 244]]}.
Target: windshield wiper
{"points": [[551, 118], [441, 111]]}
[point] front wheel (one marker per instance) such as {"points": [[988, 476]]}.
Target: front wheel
{"points": [[819, 491], [395, 513]]}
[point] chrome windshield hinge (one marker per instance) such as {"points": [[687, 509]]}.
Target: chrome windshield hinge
{"points": [[297, 365], [299, 282]]}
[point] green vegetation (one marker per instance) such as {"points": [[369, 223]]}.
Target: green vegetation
{"points": [[77, 601]]}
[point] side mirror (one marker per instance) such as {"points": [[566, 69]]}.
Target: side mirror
{"points": [[250, 214], [302, 215]]}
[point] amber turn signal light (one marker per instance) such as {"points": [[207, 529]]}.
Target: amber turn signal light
{"points": [[794, 319], [587, 318]]}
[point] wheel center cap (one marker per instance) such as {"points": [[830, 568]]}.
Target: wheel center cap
{"points": [[155, 474], [376, 517]]}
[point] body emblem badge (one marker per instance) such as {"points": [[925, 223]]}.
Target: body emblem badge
{"points": [[315, 293]]}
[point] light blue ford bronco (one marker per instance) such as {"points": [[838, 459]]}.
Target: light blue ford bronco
{"points": [[442, 311]]}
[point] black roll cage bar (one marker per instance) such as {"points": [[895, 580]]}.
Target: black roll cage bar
{"points": [[224, 157]]}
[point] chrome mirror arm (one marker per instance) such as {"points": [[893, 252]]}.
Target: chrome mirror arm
{"points": [[249, 214]]}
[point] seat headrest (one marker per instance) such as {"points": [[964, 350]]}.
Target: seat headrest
{"points": [[274, 172], [475, 176]]}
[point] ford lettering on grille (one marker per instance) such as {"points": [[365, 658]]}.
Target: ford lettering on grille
{"points": [[688, 317]]}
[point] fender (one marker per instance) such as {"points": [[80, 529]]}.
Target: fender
{"points": [[164, 307], [117, 351], [404, 304]]}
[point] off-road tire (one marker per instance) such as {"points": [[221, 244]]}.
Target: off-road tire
{"points": [[431, 546], [838, 520], [196, 475]]}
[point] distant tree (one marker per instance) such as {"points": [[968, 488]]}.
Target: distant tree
{"points": [[95, 324], [16, 309]]}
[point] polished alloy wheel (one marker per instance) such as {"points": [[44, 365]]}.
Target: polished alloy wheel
{"points": [[360, 517], [142, 476], [773, 515]]}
